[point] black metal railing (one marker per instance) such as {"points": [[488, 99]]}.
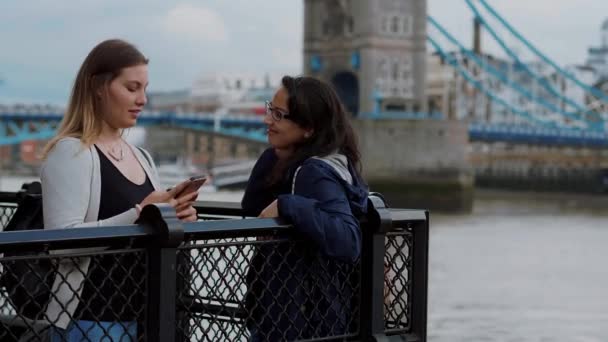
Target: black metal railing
{"points": [[221, 278]]}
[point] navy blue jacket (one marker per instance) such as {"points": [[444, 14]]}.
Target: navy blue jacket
{"points": [[302, 289]]}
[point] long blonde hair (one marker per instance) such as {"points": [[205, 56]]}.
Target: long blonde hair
{"points": [[82, 119]]}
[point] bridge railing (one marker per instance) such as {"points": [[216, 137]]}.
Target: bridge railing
{"points": [[521, 134], [214, 279]]}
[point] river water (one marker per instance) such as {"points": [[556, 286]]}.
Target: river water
{"points": [[521, 267]]}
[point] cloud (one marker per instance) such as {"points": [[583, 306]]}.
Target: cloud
{"points": [[197, 23], [563, 29], [45, 41]]}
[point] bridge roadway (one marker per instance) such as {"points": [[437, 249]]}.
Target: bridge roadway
{"points": [[18, 126]]}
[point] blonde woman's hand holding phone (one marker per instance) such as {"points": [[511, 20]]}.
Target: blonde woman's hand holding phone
{"points": [[183, 205], [184, 195], [184, 209]]}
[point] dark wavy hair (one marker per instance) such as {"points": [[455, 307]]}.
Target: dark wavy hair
{"points": [[313, 103]]}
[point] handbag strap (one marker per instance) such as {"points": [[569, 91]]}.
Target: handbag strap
{"points": [[145, 156]]}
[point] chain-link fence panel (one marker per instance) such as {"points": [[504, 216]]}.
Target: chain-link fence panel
{"points": [[6, 212], [398, 280], [73, 297], [268, 289], [241, 288]]}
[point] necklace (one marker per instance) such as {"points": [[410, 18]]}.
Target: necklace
{"points": [[116, 152]]}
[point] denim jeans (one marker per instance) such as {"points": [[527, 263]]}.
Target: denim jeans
{"points": [[96, 332]]}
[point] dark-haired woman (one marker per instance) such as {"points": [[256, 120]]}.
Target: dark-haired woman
{"points": [[310, 176]]}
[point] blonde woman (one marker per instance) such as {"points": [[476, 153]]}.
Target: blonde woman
{"points": [[92, 177]]}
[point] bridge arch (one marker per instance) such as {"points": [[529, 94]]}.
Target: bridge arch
{"points": [[346, 84]]}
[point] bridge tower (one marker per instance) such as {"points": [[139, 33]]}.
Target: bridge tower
{"points": [[372, 51]]}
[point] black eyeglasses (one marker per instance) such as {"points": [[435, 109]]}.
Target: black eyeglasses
{"points": [[276, 114]]}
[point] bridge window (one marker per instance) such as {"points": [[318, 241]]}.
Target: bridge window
{"points": [[433, 106], [395, 25], [350, 25], [382, 69], [395, 71], [408, 25], [325, 27], [385, 24], [395, 107]]}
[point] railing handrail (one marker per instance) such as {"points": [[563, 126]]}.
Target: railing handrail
{"points": [[8, 197], [212, 229], [202, 229], [162, 234], [77, 237], [101, 236]]}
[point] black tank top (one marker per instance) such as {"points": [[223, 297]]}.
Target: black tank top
{"points": [[118, 194], [111, 287]]}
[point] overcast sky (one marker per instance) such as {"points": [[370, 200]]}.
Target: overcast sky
{"points": [[43, 42]]}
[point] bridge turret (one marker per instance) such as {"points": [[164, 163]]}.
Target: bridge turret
{"points": [[363, 46]]}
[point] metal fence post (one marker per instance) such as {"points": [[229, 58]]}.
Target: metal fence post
{"points": [[371, 323], [162, 276], [420, 274]]}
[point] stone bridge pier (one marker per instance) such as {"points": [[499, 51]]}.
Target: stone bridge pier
{"points": [[418, 164]]}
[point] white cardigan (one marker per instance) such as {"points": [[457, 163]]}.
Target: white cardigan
{"points": [[71, 191]]}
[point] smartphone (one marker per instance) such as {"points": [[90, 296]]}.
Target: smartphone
{"points": [[194, 183]]}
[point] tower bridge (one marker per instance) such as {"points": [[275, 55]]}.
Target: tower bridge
{"points": [[439, 111]]}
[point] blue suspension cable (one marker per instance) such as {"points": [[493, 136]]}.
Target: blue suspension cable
{"points": [[596, 92], [501, 76], [451, 60], [512, 54]]}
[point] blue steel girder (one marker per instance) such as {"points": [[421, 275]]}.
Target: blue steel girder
{"points": [[537, 136], [18, 127], [15, 128], [16, 131]]}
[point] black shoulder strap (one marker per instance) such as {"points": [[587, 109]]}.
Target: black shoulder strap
{"points": [[145, 156]]}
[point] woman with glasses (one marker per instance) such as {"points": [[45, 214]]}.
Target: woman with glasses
{"points": [[310, 177]]}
